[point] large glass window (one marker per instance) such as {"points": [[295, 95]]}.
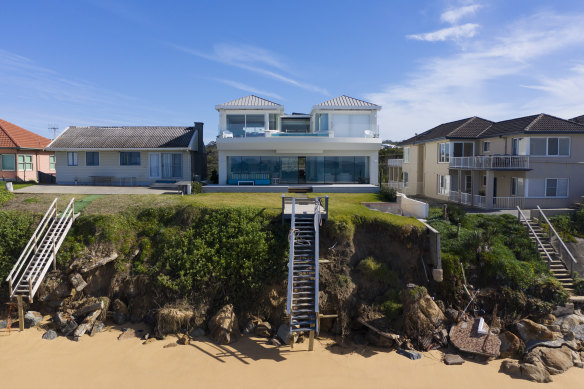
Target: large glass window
{"points": [[246, 125], [154, 168], [300, 125], [444, 152], [351, 125], [72, 158], [92, 158], [556, 187], [549, 146], [463, 149], [321, 122], [273, 124], [24, 163], [171, 166], [129, 158], [314, 170], [361, 170], [289, 170], [8, 162]]}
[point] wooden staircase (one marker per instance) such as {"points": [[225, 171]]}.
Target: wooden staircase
{"points": [[303, 271], [40, 252], [561, 270]]}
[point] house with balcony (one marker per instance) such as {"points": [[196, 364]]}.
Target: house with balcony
{"points": [[336, 143], [527, 161]]}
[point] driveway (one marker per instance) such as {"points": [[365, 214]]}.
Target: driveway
{"points": [[89, 190]]}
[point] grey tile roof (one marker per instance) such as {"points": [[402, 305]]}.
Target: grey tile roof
{"points": [[248, 102], [578, 119], [443, 130], [541, 123], [346, 102], [151, 137]]}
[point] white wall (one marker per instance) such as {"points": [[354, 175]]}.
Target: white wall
{"points": [[415, 208]]}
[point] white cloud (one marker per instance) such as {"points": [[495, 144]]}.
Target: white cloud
{"points": [[456, 33], [469, 82], [455, 14], [252, 59], [247, 88]]}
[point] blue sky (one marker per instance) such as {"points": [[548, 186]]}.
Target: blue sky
{"points": [[92, 62]]}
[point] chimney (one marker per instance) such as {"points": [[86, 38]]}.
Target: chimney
{"points": [[200, 142]]}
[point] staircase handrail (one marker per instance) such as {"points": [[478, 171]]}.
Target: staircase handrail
{"points": [[27, 249], [522, 215], [291, 258], [560, 239], [60, 223], [317, 223]]}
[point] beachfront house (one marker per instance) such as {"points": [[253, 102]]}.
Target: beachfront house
{"points": [[23, 156], [129, 155], [528, 161], [336, 143]]}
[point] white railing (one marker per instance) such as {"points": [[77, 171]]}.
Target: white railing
{"points": [[317, 222], [491, 162], [395, 162], [466, 198], [453, 196], [521, 216], [480, 201], [508, 202], [399, 185], [551, 229], [291, 259]]}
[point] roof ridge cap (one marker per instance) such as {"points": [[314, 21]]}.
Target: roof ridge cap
{"points": [[538, 118], [8, 135], [468, 120]]}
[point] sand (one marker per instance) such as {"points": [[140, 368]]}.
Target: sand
{"points": [[103, 361]]}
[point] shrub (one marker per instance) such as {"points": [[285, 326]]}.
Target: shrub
{"points": [[15, 231], [579, 286], [548, 288], [197, 187], [392, 309], [455, 214], [388, 194], [377, 271]]}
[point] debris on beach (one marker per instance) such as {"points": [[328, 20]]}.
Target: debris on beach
{"points": [[413, 355], [453, 359], [475, 337], [223, 327], [50, 335], [32, 319]]}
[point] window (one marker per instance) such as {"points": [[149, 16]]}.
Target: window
{"points": [[485, 180], [72, 158], [515, 146], [247, 125], [165, 165], [514, 186], [52, 162], [92, 158], [463, 149], [406, 154], [154, 162], [549, 146], [467, 184], [556, 187], [406, 179], [444, 152], [443, 185], [273, 122], [25, 163], [350, 125], [129, 158], [486, 146], [8, 162], [321, 122]]}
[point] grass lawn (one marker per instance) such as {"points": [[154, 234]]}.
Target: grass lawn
{"points": [[340, 204]]}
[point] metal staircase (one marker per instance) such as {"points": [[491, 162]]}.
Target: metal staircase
{"points": [[560, 262], [40, 252], [303, 267]]}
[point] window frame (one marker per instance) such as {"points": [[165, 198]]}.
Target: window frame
{"points": [[52, 162], [25, 163], [406, 155], [444, 152], [13, 162], [443, 190], [93, 153], [131, 164], [547, 146], [556, 188], [74, 161], [486, 146]]}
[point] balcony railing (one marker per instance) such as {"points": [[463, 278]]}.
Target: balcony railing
{"points": [[398, 185], [496, 162], [395, 162], [481, 201]]}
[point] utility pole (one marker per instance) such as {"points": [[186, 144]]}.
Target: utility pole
{"points": [[54, 128]]}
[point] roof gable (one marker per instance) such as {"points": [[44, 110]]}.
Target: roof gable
{"points": [[135, 137], [249, 102], [12, 135], [441, 131], [578, 119], [541, 123], [346, 102]]}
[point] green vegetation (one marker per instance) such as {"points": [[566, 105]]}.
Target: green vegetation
{"points": [[569, 226], [15, 230], [388, 194], [378, 271], [494, 250]]}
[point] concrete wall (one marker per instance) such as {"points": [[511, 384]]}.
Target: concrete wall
{"points": [[109, 165], [414, 208]]}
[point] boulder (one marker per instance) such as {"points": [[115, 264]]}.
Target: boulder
{"points": [[511, 368], [3, 324], [68, 327], [422, 317], [50, 335], [555, 360], [285, 336], [120, 312], [223, 327], [531, 332], [97, 327], [413, 355], [263, 330], [511, 345], [453, 359], [86, 325], [570, 322], [32, 318], [535, 372], [77, 282], [87, 308], [567, 309], [547, 320]]}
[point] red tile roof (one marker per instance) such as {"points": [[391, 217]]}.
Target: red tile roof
{"points": [[13, 136]]}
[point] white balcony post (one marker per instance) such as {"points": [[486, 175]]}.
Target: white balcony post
{"points": [[489, 193]]}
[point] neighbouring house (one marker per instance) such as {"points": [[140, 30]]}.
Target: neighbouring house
{"points": [[129, 155], [528, 161], [337, 143], [23, 156]]}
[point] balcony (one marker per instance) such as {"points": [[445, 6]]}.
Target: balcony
{"points": [[397, 185], [495, 162], [395, 162], [481, 201]]}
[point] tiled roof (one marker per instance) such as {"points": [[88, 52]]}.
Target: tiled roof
{"points": [[346, 102], [441, 131], [541, 123], [124, 138], [578, 119], [13, 136], [471, 128], [248, 102]]}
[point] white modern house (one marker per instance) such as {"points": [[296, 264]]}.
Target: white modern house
{"points": [[337, 143]]}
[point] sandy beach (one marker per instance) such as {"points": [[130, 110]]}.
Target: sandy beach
{"points": [[104, 361]]}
